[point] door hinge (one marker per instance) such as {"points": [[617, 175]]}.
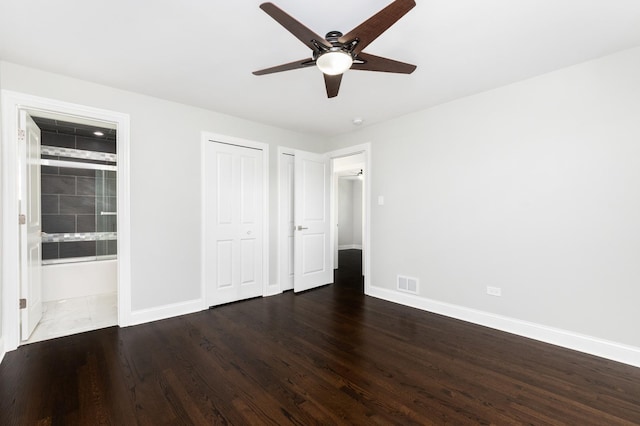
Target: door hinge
{"points": [[23, 303], [21, 135], [22, 219]]}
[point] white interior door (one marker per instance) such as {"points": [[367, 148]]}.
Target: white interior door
{"points": [[30, 231], [287, 226], [233, 222], [312, 242]]}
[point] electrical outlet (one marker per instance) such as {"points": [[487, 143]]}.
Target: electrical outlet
{"points": [[494, 291]]}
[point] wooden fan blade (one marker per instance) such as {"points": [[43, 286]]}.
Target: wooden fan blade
{"points": [[378, 63], [332, 82], [301, 32], [370, 29], [303, 63]]}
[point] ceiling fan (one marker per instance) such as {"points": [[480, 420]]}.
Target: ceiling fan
{"points": [[336, 52]]}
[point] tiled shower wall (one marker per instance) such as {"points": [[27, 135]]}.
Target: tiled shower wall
{"points": [[72, 198]]}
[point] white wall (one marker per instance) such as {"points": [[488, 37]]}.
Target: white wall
{"points": [[349, 213], [345, 212], [2, 346], [357, 213], [165, 177], [533, 188]]}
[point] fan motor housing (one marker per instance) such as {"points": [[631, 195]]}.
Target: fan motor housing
{"points": [[333, 36]]}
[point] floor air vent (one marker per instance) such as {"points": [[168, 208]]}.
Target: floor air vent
{"points": [[408, 284]]}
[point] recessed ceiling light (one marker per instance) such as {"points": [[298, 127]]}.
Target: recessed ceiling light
{"points": [[98, 133], [357, 121]]}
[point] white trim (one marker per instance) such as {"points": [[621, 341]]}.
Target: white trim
{"points": [[591, 345], [232, 140], [264, 147], [357, 149], [280, 240], [2, 351], [365, 149], [350, 247], [11, 103], [167, 311], [273, 290], [203, 227]]}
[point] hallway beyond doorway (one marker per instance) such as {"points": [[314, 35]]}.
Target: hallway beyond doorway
{"points": [[349, 272]]}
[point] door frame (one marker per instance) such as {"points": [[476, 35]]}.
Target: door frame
{"points": [[12, 102], [281, 237], [365, 149], [205, 138], [336, 208]]}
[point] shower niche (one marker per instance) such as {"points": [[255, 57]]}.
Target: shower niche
{"points": [[78, 192]]}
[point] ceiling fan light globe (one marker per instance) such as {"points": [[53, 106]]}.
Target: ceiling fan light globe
{"points": [[334, 63]]}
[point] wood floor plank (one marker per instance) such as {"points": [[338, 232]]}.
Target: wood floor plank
{"points": [[326, 356]]}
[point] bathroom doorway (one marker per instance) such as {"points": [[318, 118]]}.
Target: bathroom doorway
{"points": [[83, 262], [78, 209]]}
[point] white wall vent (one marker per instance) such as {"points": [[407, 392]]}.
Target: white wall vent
{"points": [[407, 284]]}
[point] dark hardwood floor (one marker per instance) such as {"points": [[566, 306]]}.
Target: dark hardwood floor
{"points": [[327, 356]]}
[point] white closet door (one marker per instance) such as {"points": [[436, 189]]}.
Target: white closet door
{"points": [[312, 250], [233, 223], [30, 231], [287, 225]]}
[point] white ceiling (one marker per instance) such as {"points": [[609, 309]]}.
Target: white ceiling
{"points": [[203, 52]]}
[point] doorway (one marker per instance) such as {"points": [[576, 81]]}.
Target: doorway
{"points": [[349, 179], [78, 209], [304, 237], [20, 271], [289, 219]]}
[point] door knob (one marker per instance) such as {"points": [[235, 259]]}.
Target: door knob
{"points": [[300, 227]]}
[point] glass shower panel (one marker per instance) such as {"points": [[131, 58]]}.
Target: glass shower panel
{"points": [[78, 192], [106, 213]]}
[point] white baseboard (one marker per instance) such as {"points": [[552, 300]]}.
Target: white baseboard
{"points": [[592, 345], [168, 311], [350, 247], [272, 290]]}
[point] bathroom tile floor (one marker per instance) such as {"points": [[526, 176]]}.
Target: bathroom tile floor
{"points": [[77, 315]]}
